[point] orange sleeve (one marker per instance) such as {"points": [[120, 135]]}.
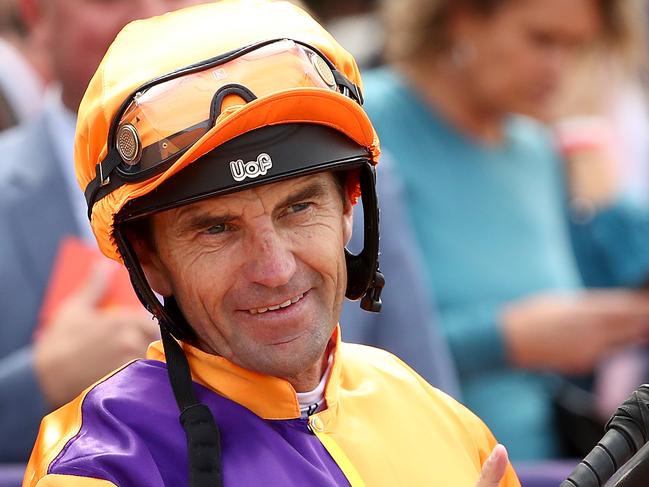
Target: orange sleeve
{"points": [[56, 430], [475, 428], [72, 481], [485, 442]]}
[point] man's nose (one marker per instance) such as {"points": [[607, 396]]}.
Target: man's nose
{"points": [[271, 261]]}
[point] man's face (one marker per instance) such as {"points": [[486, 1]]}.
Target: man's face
{"points": [[523, 49], [260, 274], [78, 33]]}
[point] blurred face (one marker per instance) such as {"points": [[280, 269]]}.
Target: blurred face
{"points": [[513, 60], [78, 33], [260, 275]]}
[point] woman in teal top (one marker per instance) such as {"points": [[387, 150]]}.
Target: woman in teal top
{"points": [[485, 193]]}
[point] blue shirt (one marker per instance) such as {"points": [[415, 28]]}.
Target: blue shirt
{"points": [[417, 339], [491, 224]]}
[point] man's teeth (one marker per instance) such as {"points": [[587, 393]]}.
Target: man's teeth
{"points": [[288, 302]]}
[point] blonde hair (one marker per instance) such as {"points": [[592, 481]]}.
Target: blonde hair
{"points": [[418, 28], [625, 31]]}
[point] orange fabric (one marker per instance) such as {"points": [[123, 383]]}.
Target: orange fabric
{"points": [[266, 396], [69, 480], [379, 408], [383, 424], [62, 425], [46, 449], [150, 48]]}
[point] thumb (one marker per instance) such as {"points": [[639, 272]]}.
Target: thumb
{"points": [[494, 468], [92, 289]]}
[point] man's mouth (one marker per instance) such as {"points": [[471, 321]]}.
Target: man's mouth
{"points": [[285, 304]]}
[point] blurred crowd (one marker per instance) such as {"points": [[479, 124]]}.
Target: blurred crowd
{"points": [[514, 194]]}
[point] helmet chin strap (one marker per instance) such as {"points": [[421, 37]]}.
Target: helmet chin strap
{"points": [[364, 279], [371, 301]]}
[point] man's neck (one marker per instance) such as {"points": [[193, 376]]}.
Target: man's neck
{"points": [[309, 379], [445, 91], [304, 381]]}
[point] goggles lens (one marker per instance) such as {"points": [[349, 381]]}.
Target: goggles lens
{"points": [[163, 121]]}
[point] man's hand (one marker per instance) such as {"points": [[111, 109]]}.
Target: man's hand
{"points": [[82, 343], [494, 468], [572, 333]]}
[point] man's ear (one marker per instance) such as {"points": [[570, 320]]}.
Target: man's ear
{"points": [[156, 273]]}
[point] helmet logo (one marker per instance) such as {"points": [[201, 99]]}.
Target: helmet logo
{"points": [[251, 169]]}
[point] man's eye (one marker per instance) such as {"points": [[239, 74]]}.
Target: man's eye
{"points": [[216, 229], [298, 207]]}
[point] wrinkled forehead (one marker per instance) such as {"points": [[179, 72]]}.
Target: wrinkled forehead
{"points": [[323, 188]]}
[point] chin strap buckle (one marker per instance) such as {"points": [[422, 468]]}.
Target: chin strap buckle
{"points": [[371, 301]]}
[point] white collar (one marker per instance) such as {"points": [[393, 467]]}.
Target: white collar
{"points": [[313, 401]]}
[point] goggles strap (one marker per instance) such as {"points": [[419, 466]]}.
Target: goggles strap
{"points": [[353, 91], [229, 89], [364, 279], [371, 300], [103, 171]]}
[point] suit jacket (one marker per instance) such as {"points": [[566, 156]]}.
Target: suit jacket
{"points": [[35, 213]]}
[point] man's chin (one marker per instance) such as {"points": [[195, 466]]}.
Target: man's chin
{"points": [[288, 360]]}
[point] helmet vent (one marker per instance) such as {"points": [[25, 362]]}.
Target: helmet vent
{"points": [[128, 144]]}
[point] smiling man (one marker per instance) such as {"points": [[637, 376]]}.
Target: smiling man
{"points": [[221, 149], [275, 313]]}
